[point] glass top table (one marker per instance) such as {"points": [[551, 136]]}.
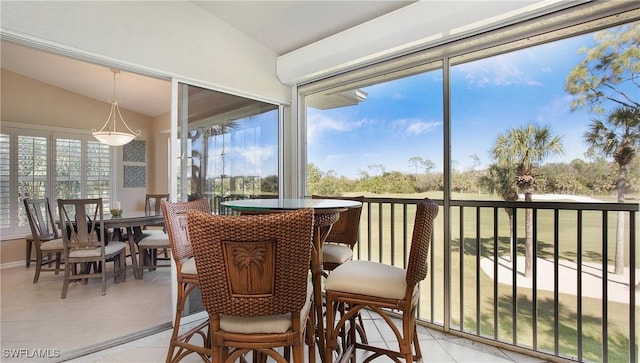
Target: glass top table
{"points": [[321, 205]]}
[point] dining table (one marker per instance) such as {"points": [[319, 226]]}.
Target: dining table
{"points": [[326, 213], [133, 223]]}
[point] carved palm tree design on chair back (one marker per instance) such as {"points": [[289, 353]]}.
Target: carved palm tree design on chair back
{"points": [[251, 267]]}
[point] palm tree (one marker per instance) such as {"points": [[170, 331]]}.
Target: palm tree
{"points": [[523, 148], [501, 179], [618, 137]]}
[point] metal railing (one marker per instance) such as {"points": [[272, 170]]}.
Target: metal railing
{"points": [[572, 306]]}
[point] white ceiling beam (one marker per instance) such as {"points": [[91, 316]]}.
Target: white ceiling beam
{"points": [[414, 27]]}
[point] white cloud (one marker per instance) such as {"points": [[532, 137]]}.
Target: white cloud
{"points": [[318, 124], [502, 70], [251, 160], [415, 126]]}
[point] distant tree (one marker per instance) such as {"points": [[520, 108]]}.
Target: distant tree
{"points": [[596, 176], [376, 169], [415, 162], [269, 184], [322, 183], [428, 165], [523, 149], [429, 182], [619, 137], [476, 161]]}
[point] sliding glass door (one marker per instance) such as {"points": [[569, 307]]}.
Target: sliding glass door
{"points": [[228, 146]]}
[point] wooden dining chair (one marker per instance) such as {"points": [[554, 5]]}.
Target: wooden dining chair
{"points": [[84, 242], [152, 204], [45, 235], [155, 238], [254, 280], [382, 289], [175, 221]]}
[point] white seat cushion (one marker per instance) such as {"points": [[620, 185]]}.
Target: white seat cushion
{"points": [[54, 244], [336, 253], [189, 266], [264, 324], [112, 247], [155, 241], [368, 278], [154, 232]]}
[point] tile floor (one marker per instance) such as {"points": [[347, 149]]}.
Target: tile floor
{"points": [[34, 317]]}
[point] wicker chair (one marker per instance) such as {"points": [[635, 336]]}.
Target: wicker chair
{"points": [[85, 243], [154, 237], [45, 235], [175, 221], [254, 279], [380, 288], [338, 247]]}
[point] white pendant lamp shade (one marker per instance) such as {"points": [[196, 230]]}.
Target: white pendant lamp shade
{"points": [[108, 133]]}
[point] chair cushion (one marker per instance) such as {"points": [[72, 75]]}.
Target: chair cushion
{"points": [[155, 240], [264, 324], [336, 253], [368, 278], [111, 248], [189, 266], [54, 244], [154, 232], [29, 237]]}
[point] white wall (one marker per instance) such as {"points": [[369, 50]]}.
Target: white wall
{"points": [[170, 37]]}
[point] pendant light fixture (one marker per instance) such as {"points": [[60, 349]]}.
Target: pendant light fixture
{"points": [[108, 133]]}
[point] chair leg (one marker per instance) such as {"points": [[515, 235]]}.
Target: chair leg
{"points": [[123, 262], [310, 336], [416, 344], [28, 252], [103, 273], [58, 259], [38, 266], [142, 252], [67, 277], [176, 321]]}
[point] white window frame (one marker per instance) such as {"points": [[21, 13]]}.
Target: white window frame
{"points": [[15, 230]]}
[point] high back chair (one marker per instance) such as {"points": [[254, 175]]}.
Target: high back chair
{"points": [[338, 247], [153, 202], [254, 280], [381, 288], [45, 235], [152, 205], [84, 241], [175, 221], [154, 238]]}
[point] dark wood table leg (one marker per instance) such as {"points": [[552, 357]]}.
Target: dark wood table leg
{"points": [[134, 234]]}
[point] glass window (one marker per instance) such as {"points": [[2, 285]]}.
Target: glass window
{"points": [[231, 146], [78, 166], [380, 138]]}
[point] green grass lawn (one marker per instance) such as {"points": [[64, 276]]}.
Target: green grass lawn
{"points": [[466, 273]]}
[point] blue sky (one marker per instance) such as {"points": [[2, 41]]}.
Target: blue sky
{"points": [[403, 118]]}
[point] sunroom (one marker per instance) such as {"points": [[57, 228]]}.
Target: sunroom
{"points": [[547, 269]]}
